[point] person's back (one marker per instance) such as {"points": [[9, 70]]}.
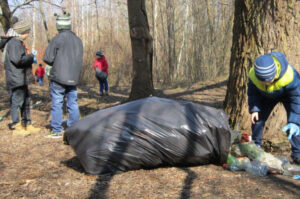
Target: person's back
{"points": [[64, 54]]}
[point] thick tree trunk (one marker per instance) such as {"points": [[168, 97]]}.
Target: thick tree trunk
{"points": [[141, 43], [260, 27]]}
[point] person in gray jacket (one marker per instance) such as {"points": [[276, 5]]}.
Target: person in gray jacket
{"points": [[64, 53], [18, 72]]}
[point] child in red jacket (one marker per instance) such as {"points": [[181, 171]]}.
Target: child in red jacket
{"points": [[101, 68], [40, 73]]}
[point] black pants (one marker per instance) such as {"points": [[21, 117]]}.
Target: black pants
{"points": [[20, 103]]}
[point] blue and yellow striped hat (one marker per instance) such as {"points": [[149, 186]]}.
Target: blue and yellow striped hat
{"points": [[265, 68]]}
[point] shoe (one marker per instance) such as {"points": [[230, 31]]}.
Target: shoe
{"points": [[21, 131], [31, 128], [53, 135], [101, 94], [106, 93], [13, 126]]}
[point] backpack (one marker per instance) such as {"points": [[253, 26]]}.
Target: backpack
{"points": [[100, 75]]}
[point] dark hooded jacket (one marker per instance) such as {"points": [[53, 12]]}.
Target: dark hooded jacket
{"points": [[17, 63], [64, 54]]}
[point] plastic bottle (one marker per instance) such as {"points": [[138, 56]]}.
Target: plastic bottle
{"points": [[237, 164], [257, 168]]}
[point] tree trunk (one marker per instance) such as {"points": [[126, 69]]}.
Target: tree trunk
{"points": [[155, 38], [259, 27], [5, 15], [97, 21], [141, 43], [44, 20], [171, 36]]}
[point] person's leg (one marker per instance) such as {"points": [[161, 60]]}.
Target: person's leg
{"points": [[295, 140], [106, 86], [25, 109], [258, 127], [40, 81], [72, 105], [57, 92], [17, 100], [25, 113], [101, 87]]}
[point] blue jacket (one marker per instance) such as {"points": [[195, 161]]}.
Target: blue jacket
{"points": [[285, 89]]}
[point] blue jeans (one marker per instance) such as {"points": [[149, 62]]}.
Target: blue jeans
{"points": [[258, 127], [40, 79], [58, 92], [103, 84]]}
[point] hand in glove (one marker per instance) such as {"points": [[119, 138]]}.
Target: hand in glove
{"points": [[292, 129], [34, 60]]}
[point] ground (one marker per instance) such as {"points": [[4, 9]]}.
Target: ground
{"points": [[36, 167]]}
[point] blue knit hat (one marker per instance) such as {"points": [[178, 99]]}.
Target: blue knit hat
{"points": [[99, 53], [265, 68]]}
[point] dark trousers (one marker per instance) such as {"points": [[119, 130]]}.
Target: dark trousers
{"points": [[258, 127], [20, 103]]}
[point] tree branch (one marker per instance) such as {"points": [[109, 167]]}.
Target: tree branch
{"points": [[27, 2]]}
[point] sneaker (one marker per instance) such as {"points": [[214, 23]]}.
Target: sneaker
{"points": [[101, 94], [32, 129], [53, 135], [106, 93]]}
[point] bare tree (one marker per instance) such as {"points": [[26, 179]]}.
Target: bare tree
{"points": [[141, 43]]}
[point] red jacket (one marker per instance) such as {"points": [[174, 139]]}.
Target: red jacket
{"points": [[101, 63], [40, 72]]}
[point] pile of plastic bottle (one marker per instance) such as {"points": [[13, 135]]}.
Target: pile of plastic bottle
{"points": [[247, 156]]}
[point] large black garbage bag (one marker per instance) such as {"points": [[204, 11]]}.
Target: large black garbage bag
{"points": [[149, 133]]}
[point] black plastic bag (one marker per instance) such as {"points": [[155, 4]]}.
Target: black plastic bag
{"points": [[149, 133], [100, 75]]}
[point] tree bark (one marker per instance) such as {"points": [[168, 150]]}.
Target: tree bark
{"points": [[259, 27], [142, 50], [5, 16]]}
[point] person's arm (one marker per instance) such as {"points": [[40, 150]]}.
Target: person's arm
{"points": [[105, 65], [254, 98], [50, 52], [293, 97], [95, 64], [18, 55]]}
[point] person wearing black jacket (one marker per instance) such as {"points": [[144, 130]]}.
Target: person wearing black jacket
{"points": [[64, 53], [18, 72]]}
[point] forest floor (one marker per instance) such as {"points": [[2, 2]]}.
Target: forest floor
{"points": [[36, 167]]}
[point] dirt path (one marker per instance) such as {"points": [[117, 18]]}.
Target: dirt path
{"points": [[35, 167]]}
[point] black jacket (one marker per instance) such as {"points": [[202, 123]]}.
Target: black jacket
{"points": [[17, 64], [64, 54]]}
